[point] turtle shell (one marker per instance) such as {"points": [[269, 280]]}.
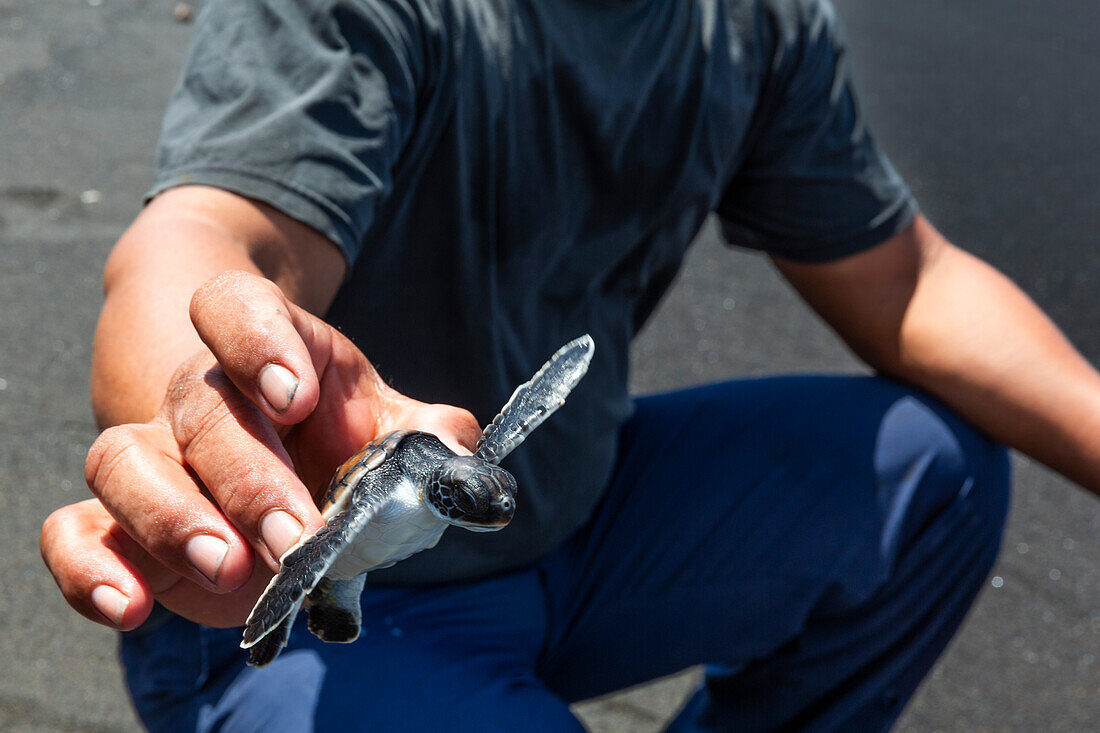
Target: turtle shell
{"points": [[368, 458]]}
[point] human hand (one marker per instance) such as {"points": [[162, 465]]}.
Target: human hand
{"points": [[231, 466]]}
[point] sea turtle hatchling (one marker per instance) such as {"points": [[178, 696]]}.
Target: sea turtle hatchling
{"points": [[393, 499]]}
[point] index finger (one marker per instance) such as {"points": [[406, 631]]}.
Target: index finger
{"points": [[266, 344]]}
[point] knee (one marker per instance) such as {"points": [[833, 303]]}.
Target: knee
{"points": [[928, 460]]}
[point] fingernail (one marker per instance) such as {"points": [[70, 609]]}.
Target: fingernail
{"points": [[111, 602], [280, 532], [206, 553], [278, 385]]}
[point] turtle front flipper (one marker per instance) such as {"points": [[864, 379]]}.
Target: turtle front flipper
{"points": [[264, 651], [301, 569], [334, 611], [535, 400]]}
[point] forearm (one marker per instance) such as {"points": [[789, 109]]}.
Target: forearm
{"points": [[183, 239], [921, 310], [972, 338], [144, 332]]}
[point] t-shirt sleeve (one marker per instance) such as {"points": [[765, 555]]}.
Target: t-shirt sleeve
{"points": [[305, 106], [813, 185]]}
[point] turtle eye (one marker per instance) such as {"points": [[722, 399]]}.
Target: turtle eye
{"points": [[465, 500]]}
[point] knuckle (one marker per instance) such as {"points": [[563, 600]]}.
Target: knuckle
{"points": [[231, 288], [195, 422], [61, 522], [52, 528], [187, 381], [217, 288], [243, 494], [114, 446]]}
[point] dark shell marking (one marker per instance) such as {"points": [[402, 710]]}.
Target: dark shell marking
{"points": [[351, 471]]}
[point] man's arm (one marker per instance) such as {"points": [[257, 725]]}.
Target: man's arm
{"points": [[919, 309], [183, 239], [230, 401]]}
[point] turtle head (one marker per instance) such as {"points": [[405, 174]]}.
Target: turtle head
{"points": [[472, 494]]}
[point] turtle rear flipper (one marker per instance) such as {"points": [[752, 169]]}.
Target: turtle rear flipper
{"points": [[535, 400], [301, 569], [334, 610]]}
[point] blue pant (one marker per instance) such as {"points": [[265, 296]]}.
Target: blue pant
{"points": [[815, 540]]}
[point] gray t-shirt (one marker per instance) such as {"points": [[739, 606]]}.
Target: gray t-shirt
{"points": [[505, 175]]}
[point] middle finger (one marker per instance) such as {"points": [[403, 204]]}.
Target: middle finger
{"points": [[237, 454]]}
